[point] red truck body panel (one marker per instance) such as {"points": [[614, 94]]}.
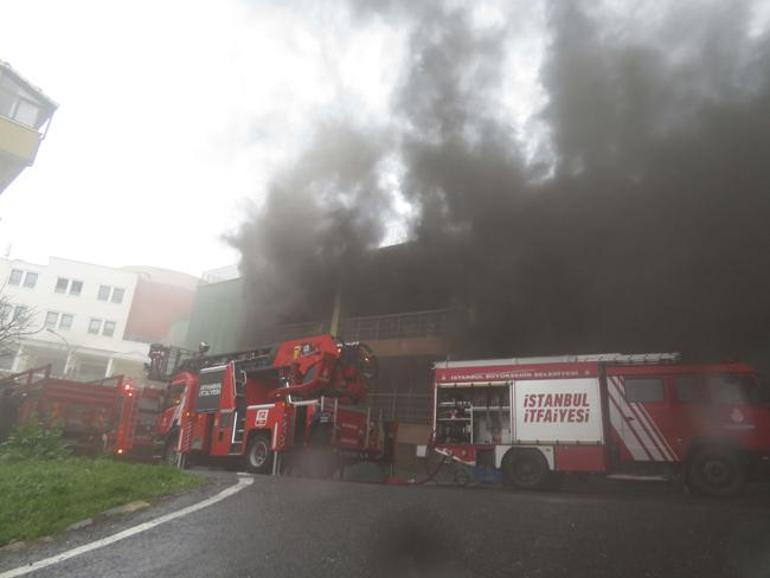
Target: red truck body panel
{"points": [[600, 414], [111, 415]]}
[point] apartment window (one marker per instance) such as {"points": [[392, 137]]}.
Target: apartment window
{"points": [[104, 293], [109, 329], [117, 295], [26, 112], [30, 279], [76, 287], [18, 104], [19, 312], [94, 326], [62, 284], [51, 319], [65, 322], [15, 278]]}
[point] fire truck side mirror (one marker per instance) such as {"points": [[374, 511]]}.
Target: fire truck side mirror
{"points": [[203, 348]]}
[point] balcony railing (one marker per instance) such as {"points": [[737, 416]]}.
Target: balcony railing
{"points": [[399, 326]]}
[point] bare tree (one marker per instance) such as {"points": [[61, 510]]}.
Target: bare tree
{"points": [[16, 321]]}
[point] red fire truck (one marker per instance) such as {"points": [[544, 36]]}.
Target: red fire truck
{"points": [[107, 415], [627, 416], [294, 403]]}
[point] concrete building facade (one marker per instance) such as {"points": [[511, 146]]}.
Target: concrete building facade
{"points": [[406, 340], [80, 317]]}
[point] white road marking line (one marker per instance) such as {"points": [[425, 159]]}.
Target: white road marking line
{"points": [[34, 566]]}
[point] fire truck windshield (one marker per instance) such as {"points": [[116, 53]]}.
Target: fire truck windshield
{"points": [[732, 389]]}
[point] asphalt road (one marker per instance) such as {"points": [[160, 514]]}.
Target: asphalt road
{"points": [[299, 527]]}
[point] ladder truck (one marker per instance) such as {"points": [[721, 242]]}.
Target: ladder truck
{"points": [[291, 407]]}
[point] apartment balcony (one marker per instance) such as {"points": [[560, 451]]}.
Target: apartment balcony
{"points": [[25, 113]]}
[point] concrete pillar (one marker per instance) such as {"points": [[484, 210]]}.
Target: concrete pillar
{"points": [[68, 369], [17, 361], [336, 320]]}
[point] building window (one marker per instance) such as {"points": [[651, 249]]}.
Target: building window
{"points": [[19, 312], [15, 278], [94, 326], [109, 329], [51, 319], [66, 321], [76, 287], [62, 284], [18, 104], [104, 293], [117, 295], [30, 279], [644, 389], [26, 112]]}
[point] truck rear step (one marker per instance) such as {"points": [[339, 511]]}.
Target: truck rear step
{"points": [[638, 478]]}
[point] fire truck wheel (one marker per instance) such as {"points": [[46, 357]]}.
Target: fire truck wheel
{"points": [[716, 472], [259, 456], [525, 469]]}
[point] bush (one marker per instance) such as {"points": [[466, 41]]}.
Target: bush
{"points": [[33, 442]]}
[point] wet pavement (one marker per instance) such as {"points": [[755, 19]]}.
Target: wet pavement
{"points": [[300, 527]]}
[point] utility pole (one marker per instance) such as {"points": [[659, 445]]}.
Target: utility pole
{"points": [[69, 350]]}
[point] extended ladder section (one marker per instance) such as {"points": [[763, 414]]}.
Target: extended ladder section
{"points": [[615, 358], [165, 361], [239, 416], [249, 360]]}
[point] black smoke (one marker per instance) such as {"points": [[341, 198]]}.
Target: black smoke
{"points": [[632, 216]]}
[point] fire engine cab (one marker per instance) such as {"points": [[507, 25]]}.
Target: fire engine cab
{"points": [[646, 416], [278, 402]]}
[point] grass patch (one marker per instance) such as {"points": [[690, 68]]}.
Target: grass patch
{"points": [[38, 497]]}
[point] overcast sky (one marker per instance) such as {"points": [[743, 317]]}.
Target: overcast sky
{"points": [[172, 116]]}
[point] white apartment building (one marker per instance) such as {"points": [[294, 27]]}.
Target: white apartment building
{"points": [[79, 313]]}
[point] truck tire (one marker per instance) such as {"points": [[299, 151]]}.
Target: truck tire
{"points": [[525, 469], [259, 457], [716, 472]]}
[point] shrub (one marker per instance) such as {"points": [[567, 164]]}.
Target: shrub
{"points": [[33, 442]]}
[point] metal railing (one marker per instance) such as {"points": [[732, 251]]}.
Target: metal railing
{"points": [[405, 407], [398, 326], [297, 330], [27, 377]]}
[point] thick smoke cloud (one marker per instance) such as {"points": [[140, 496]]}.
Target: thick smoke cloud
{"points": [[633, 215]]}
